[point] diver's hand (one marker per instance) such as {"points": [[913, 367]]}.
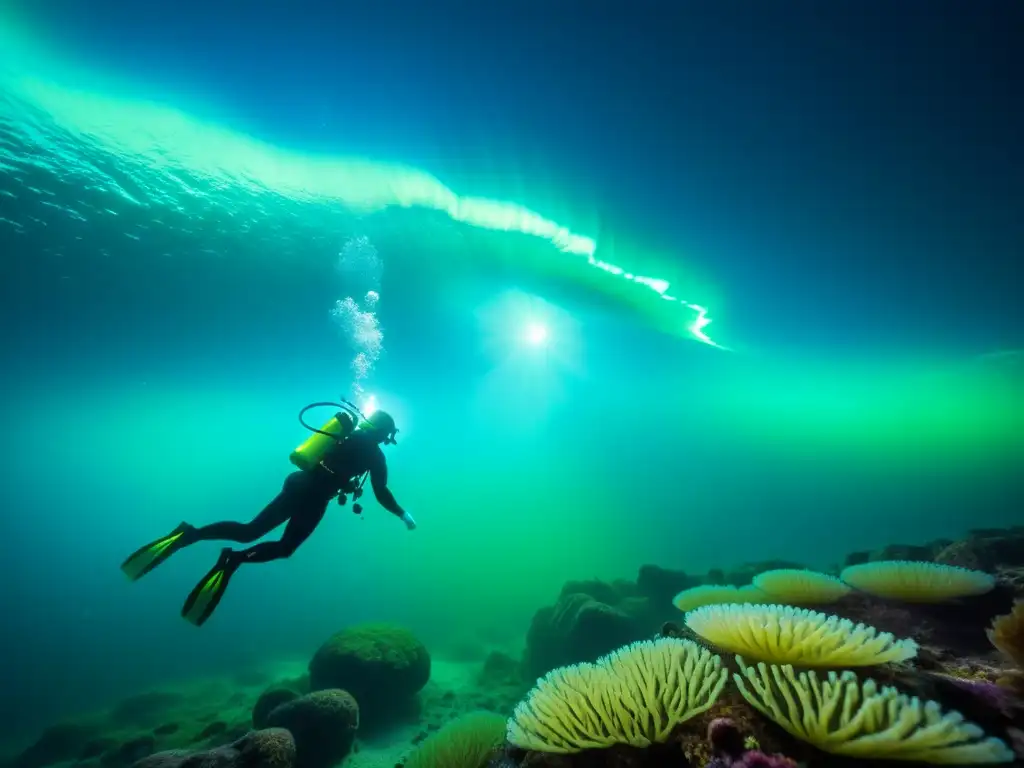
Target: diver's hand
{"points": [[408, 520]]}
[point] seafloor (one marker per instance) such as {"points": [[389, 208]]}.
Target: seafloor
{"points": [[372, 696]]}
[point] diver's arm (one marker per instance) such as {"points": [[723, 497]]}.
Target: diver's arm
{"points": [[384, 496], [387, 500]]}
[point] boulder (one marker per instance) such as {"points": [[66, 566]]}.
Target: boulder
{"points": [[381, 665], [267, 702], [985, 553], [577, 628], [271, 748], [323, 725]]}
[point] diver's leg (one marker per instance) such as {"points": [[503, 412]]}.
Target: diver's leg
{"points": [[271, 516], [303, 522], [146, 558], [306, 514]]}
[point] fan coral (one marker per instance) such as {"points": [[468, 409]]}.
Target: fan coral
{"points": [[791, 585], [783, 634], [715, 594], [916, 582], [463, 743], [1007, 634], [844, 716], [636, 695]]}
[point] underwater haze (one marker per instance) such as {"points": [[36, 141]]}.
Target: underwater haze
{"points": [[685, 284]]}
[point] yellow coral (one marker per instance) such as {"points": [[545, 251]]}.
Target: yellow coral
{"points": [[715, 594], [636, 695], [1007, 634], [843, 716], [782, 634], [793, 585], [916, 582]]}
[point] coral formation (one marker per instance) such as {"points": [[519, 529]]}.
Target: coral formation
{"points": [[844, 716], [753, 758], [783, 634], [1007, 634], [466, 742], [916, 582], [731, 749], [955, 670], [636, 696], [800, 587]]}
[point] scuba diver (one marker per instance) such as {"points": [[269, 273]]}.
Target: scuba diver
{"points": [[333, 463]]}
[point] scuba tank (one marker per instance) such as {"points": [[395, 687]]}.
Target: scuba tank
{"points": [[334, 431]]}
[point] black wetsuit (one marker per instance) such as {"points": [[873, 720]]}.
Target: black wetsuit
{"points": [[303, 500]]}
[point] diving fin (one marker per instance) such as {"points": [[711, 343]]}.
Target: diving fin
{"points": [[202, 601], [145, 559]]}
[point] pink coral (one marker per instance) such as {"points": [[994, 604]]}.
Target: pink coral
{"points": [[729, 752], [758, 759], [753, 758]]}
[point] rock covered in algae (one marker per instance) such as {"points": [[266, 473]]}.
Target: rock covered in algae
{"points": [[577, 628], [382, 665], [323, 724]]}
